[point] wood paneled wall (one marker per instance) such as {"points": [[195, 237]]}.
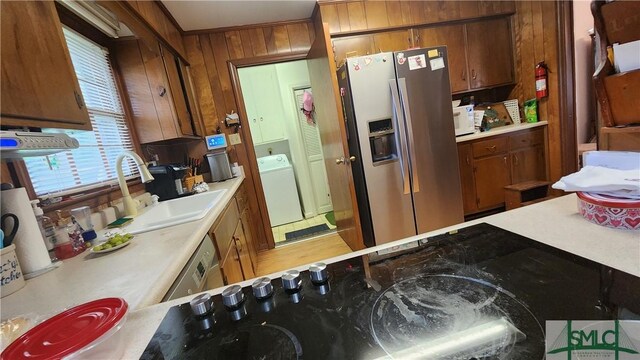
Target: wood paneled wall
{"points": [[208, 54], [357, 16], [536, 32]]}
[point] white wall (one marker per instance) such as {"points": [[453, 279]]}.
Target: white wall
{"points": [[582, 22], [292, 75]]}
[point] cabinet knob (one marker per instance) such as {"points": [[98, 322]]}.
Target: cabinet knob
{"points": [[78, 99], [463, 76], [261, 119], [340, 160], [163, 91], [473, 74], [516, 159], [468, 161]]}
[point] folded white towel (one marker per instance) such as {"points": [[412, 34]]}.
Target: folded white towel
{"points": [[623, 183]]}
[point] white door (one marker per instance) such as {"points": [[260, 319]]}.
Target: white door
{"points": [[315, 160], [246, 82]]}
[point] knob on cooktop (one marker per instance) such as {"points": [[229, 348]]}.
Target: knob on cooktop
{"points": [[262, 288], [202, 305], [318, 273], [291, 280], [232, 296]]}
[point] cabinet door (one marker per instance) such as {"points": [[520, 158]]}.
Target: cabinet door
{"points": [[352, 46], [231, 268], [392, 41], [194, 107], [246, 83], [268, 103], [134, 76], [453, 37], [465, 159], [39, 85], [490, 53], [527, 164], [249, 237], [177, 92], [492, 175], [243, 251], [160, 91]]}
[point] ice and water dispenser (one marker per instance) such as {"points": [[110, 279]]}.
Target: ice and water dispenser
{"points": [[382, 140]]}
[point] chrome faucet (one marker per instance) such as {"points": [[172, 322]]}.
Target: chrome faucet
{"points": [[130, 207]]}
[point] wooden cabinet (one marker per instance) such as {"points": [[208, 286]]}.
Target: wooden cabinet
{"points": [[465, 158], [491, 176], [487, 165], [453, 37], [233, 237], [371, 44], [477, 60], [243, 251], [480, 53], [231, 267], [39, 85], [261, 93], [155, 84], [490, 53]]}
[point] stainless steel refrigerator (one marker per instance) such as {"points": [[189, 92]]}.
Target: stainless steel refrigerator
{"points": [[400, 128]]}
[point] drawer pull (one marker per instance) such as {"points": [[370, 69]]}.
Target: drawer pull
{"points": [[491, 148]]}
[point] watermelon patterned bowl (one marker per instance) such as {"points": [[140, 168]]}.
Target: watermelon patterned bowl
{"points": [[610, 211]]}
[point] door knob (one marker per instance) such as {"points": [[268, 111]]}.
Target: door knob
{"points": [[352, 158], [340, 160]]}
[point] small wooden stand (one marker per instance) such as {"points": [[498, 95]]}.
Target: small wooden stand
{"points": [[525, 193]]}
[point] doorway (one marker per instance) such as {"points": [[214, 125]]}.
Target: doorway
{"points": [[288, 150]]}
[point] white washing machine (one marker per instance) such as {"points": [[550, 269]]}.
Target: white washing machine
{"points": [[279, 184]]}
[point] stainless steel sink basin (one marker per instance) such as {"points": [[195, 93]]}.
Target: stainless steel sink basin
{"points": [[171, 213]]}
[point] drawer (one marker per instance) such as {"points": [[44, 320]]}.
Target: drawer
{"points": [[242, 198], [223, 232], [489, 147], [528, 139]]}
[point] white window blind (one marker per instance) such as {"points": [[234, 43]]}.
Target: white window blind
{"points": [[93, 164]]}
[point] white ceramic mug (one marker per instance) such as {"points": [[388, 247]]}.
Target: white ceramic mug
{"points": [[11, 277]]}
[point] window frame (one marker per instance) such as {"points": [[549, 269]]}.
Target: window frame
{"points": [[75, 23]]}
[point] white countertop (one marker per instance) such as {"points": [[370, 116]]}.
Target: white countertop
{"points": [[141, 273], [499, 130], [554, 222]]}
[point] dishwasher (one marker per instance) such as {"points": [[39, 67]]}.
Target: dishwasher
{"points": [[193, 277]]}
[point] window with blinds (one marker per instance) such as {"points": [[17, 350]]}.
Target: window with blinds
{"points": [[93, 164]]}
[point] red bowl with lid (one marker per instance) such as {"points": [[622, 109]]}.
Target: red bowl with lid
{"points": [[87, 331], [609, 211]]}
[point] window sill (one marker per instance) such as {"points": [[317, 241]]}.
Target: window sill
{"points": [[95, 197]]}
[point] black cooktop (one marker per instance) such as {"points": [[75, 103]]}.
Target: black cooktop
{"points": [[481, 293]]}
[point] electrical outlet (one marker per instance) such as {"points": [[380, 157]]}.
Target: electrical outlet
{"points": [[234, 139]]}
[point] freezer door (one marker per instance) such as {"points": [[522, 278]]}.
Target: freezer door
{"points": [[388, 189], [423, 83]]}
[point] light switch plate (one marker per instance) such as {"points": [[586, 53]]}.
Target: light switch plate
{"points": [[234, 139]]}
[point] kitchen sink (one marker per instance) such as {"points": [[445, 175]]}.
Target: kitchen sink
{"points": [[170, 213]]}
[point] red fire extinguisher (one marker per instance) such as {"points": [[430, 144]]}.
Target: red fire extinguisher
{"points": [[541, 80]]}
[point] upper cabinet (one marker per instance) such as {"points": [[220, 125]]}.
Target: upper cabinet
{"points": [[39, 85], [476, 60], [159, 91], [490, 53], [261, 93]]}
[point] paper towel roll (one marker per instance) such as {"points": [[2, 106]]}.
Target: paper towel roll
{"points": [[30, 248]]}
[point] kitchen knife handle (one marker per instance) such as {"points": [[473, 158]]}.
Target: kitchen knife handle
{"points": [[404, 154], [411, 144]]}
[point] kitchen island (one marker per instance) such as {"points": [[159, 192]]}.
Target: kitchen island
{"points": [[141, 273], [556, 223]]}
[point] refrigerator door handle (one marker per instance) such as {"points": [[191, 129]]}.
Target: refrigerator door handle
{"points": [[407, 116], [397, 112]]}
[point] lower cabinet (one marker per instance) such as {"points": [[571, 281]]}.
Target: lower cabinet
{"points": [[231, 267], [489, 164], [233, 237]]}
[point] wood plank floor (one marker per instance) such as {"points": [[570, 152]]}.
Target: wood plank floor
{"points": [[301, 253]]}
